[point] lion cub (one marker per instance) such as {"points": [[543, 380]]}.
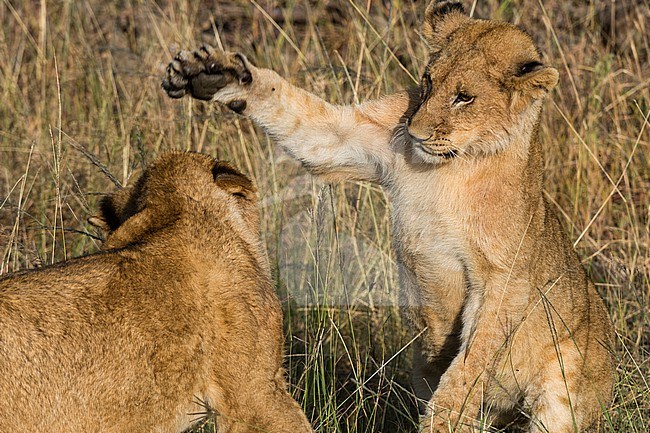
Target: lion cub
{"points": [[510, 322], [175, 320]]}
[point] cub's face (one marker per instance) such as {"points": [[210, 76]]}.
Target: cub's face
{"points": [[189, 186], [481, 87]]}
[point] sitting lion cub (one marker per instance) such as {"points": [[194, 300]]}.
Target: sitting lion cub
{"points": [[511, 325], [175, 320]]}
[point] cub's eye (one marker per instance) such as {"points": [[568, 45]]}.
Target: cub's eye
{"points": [[461, 99], [425, 86]]}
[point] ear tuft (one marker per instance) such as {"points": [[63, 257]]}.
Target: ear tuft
{"points": [[437, 15]]}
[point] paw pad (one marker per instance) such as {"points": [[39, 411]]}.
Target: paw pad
{"points": [[205, 71]]}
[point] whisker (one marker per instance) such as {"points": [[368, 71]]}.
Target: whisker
{"points": [[209, 414]]}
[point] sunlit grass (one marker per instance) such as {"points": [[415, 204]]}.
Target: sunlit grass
{"points": [[87, 75]]}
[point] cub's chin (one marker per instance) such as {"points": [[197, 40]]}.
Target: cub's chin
{"points": [[423, 154]]}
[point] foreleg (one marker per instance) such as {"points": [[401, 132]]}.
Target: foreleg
{"points": [[339, 142]]}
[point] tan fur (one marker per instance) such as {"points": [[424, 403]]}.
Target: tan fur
{"points": [[175, 315], [510, 321]]}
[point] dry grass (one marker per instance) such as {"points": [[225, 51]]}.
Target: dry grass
{"points": [[80, 85]]}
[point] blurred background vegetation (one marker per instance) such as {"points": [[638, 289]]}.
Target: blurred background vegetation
{"points": [[82, 111]]}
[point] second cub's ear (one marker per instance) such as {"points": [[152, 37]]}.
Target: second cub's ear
{"points": [[113, 210], [232, 181], [107, 218], [440, 19]]}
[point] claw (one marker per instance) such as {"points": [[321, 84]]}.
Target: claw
{"points": [[208, 50], [174, 66], [201, 54]]}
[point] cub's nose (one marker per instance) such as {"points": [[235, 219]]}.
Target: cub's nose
{"points": [[417, 134], [430, 129]]}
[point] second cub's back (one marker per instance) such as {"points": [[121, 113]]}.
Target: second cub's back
{"points": [[176, 316]]}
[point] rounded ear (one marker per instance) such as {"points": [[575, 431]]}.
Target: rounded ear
{"points": [[533, 81], [132, 230], [108, 218], [129, 218], [114, 209], [232, 181], [535, 77], [440, 19]]}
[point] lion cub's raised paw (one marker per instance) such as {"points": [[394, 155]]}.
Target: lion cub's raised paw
{"points": [[204, 72]]}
